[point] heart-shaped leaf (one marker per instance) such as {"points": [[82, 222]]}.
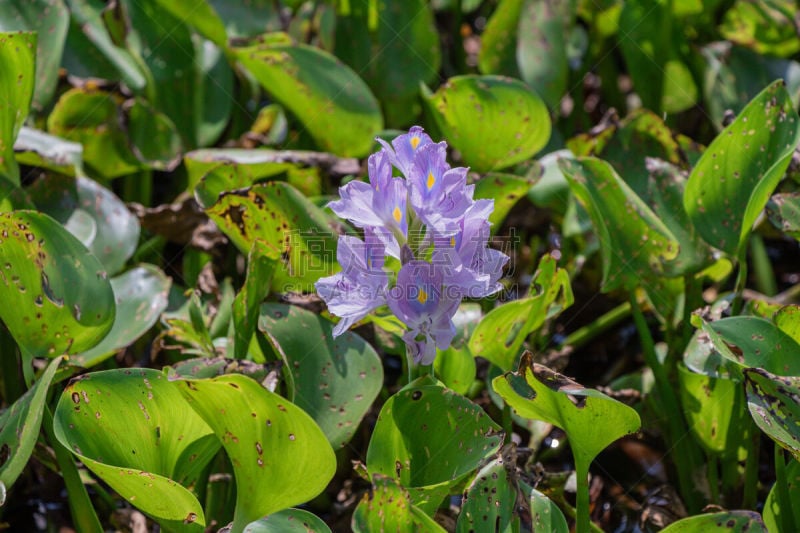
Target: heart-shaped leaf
{"points": [[334, 105], [492, 121], [288, 521], [636, 244], [19, 426], [18, 57], [500, 334], [134, 430], [56, 297], [141, 295], [734, 178], [774, 403], [723, 522], [280, 456], [333, 380], [388, 507]]}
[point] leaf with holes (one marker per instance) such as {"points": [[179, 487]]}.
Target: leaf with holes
{"points": [[92, 213], [725, 347], [492, 121], [334, 105], [333, 380], [141, 295], [636, 245], [500, 334], [279, 214], [19, 426], [726, 521], [135, 431], [288, 521], [784, 213], [590, 419], [56, 297], [774, 403], [388, 507], [489, 500], [18, 57], [428, 438], [733, 180], [280, 456]]}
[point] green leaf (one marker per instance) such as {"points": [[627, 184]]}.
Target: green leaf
{"points": [[288, 521], [153, 137], [134, 430], [13, 197], [56, 297], [245, 20], [774, 403], [492, 121], [490, 500], [50, 19], [388, 507], [590, 419], [505, 190], [407, 42], [39, 149], [498, 41], [544, 30], [280, 456], [713, 409], [333, 380], [141, 295], [734, 178], [333, 104], [645, 41], [19, 426], [92, 213], [261, 265], [773, 512], [725, 347], [766, 26], [278, 213], [455, 366], [428, 438], [787, 318], [18, 57], [635, 243], [500, 334], [200, 15], [211, 367], [784, 213], [545, 514], [725, 521]]}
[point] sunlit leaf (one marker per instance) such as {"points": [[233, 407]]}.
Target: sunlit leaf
{"points": [[18, 57], [725, 521], [388, 507], [288, 521]]}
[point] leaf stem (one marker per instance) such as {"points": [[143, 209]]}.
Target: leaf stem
{"points": [[582, 518], [751, 468], [741, 283], [762, 268], [786, 515], [582, 336]]}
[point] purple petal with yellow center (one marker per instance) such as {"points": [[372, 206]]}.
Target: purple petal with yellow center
{"points": [[404, 148]]}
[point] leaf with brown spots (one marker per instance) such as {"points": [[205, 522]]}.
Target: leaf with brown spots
{"points": [[774, 403], [727, 521], [387, 507]]}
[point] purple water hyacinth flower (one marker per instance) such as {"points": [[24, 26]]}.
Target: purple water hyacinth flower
{"points": [[423, 302], [361, 285], [379, 204], [404, 148]]}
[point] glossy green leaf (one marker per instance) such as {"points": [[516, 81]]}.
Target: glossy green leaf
{"points": [[590, 419], [49, 18], [787, 318], [141, 295], [498, 41], [725, 347], [333, 380], [489, 500], [546, 517], [388, 507], [635, 243], [280, 456], [279, 214], [544, 30], [134, 430], [394, 52], [713, 409], [500, 334], [211, 367], [113, 231], [766, 26], [288, 521], [56, 297], [738, 172], [492, 121], [261, 264], [39, 149], [428, 438], [334, 105], [19, 426], [784, 213], [774, 403], [18, 57], [774, 513], [723, 522], [505, 190]]}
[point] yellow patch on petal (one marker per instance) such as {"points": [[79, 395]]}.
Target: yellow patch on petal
{"points": [[422, 297], [453, 242], [431, 180], [414, 142], [397, 214]]}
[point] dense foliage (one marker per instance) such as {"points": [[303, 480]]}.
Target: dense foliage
{"points": [[193, 339]]}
